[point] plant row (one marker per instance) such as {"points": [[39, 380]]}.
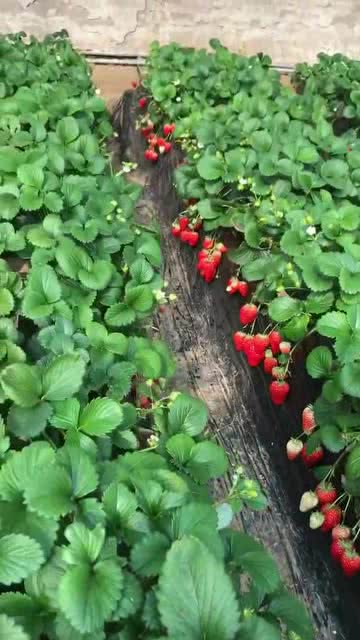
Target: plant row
{"points": [[280, 171], [107, 525]]}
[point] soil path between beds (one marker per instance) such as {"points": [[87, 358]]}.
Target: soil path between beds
{"points": [[199, 327]]}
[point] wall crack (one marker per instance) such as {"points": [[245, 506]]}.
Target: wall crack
{"points": [[137, 20], [27, 3]]}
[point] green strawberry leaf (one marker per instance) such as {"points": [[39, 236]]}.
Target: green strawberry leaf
{"points": [[252, 558], [148, 555], [333, 325], [89, 594], [284, 308], [187, 415], [50, 493], [21, 383], [319, 362], [20, 556], [205, 604], [350, 379], [29, 422], [63, 377], [100, 416], [207, 461], [119, 315], [7, 302], [10, 630]]}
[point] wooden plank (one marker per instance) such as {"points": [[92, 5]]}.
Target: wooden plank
{"points": [[199, 329], [113, 80]]}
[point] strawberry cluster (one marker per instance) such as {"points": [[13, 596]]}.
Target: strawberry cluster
{"points": [[209, 258], [187, 231], [268, 349], [156, 145], [295, 447], [328, 515], [234, 285]]}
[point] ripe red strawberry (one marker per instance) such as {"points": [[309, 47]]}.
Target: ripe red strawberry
{"points": [[341, 532], [168, 129], [183, 222], [253, 357], [208, 243], [134, 84], [238, 339], [193, 238], [350, 562], [190, 237], [176, 230], [308, 419], [243, 288], [279, 390], [197, 224], [311, 459], [232, 285], [326, 493], [146, 131], [149, 154], [248, 313], [248, 343], [160, 142], [208, 271], [337, 550], [293, 448], [203, 254], [144, 402], [332, 517], [167, 146], [142, 102], [152, 140], [269, 364], [216, 256], [285, 347], [261, 342], [275, 339], [184, 235]]}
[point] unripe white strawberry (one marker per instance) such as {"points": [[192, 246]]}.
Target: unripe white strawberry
{"points": [[293, 448], [316, 520], [309, 500]]}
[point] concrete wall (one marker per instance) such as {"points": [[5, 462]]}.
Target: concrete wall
{"points": [[289, 30]]}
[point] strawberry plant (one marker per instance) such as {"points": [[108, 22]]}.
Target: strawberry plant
{"points": [[104, 471], [337, 78], [280, 170]]}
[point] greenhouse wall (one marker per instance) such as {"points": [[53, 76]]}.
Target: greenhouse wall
{"points": [[289, 30]]}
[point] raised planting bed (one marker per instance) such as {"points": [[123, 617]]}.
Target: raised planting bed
{"points": [[108, 526], [252, 429]]}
